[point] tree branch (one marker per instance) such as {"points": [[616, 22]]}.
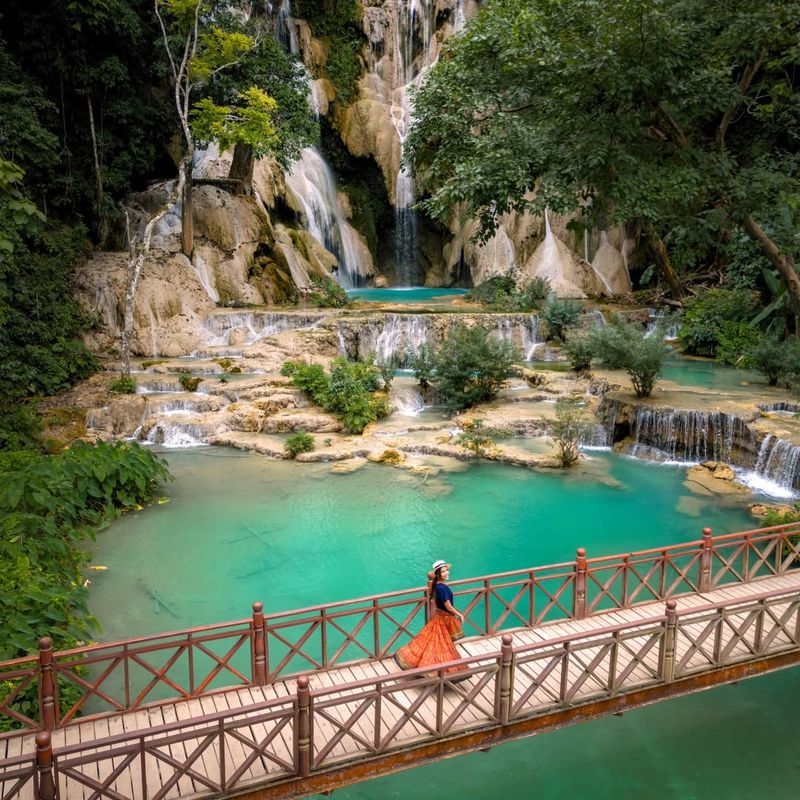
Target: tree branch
{"points": [[677, 132], [744, 85], [166, 41]]}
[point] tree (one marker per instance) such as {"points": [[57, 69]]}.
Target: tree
{"points": [[622, 345], [568, 429], [680, 115], [199, 48], [268, 66], [470, 366], [561, 315]]}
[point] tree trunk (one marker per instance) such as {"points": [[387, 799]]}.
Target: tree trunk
{"points": [[675, 288], [242, 166], [102, 221], [187, 219], [784, 264]]}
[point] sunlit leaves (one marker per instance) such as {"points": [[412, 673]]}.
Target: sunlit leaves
{"points": [[250, 122]]}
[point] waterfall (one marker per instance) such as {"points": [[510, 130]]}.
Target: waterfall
{"points": [[522, 331], [778, 460], [204, 274], [247, 327], [390, 337], [312, 183], [406, 399], [687, 436], [655, 320], [414, 55]]}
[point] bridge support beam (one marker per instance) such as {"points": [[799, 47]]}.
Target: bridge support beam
{"points": [[48, 716], [45, 785]]}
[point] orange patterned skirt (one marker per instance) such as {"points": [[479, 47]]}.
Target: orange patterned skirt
{"points": [[433, 644]]}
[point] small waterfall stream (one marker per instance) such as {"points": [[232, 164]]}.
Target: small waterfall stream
{"points": [[778, 460], [416, 50]]}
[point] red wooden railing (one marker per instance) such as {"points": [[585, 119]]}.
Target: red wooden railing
{"points": [[114, 677], [315, 729]]}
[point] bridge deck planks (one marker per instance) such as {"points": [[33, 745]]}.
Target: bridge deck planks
{"points": [[476, 712]]}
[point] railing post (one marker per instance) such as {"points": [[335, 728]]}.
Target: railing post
{"points": [[506, 667], [44, 764], [579, 604], [259, 645], [303, 727], [668, 643], [47, 692], [705, 561]]}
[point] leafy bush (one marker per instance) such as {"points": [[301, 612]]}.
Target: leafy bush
{"points": [[704, 316], [420, 360], [328, 293], [568, 429], [349, 390], [124, 384], [579, 349], [560, 315], [476, 438], [775, 359], [470, 366], [188, 382], [49, 507], [500, 293], [20, 427], [734, 341], [625, 346], [300, 442], [493, 290]]}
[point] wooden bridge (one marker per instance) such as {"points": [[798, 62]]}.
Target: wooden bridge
{"points": [[299, 702]]}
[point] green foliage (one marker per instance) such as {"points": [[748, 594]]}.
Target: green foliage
{"points": [[338, 23], [703, 316], [300, 442], [500, 293], [20, 427], [778, 360], [568, 428], [59, 59], [268, 66], [624, 346], [680, 115], [328, 293], [470, 365], [152, 362], [561, 315], [421, 360], [477, 438], [188, 382], [349, 390], [49, 507], [40, 352], [124, 384], [734, 341], [579, 349], [251, 121]]}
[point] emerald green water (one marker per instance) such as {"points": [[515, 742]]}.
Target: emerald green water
{"points": [[240, 528], [408, 294]]}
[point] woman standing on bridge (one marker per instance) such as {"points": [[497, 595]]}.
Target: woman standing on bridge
{"points": [[434, 643]]}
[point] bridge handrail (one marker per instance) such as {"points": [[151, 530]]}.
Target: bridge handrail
{"points": [[512, 687], [320, 636]]}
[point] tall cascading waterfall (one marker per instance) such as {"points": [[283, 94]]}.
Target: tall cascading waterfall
{"points": [[312, 183], [414, 55]]}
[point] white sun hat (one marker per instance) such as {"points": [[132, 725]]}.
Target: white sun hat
{"points": [[439, 564]]}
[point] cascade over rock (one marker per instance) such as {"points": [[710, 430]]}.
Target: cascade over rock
{"points": [[609, 263]]}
